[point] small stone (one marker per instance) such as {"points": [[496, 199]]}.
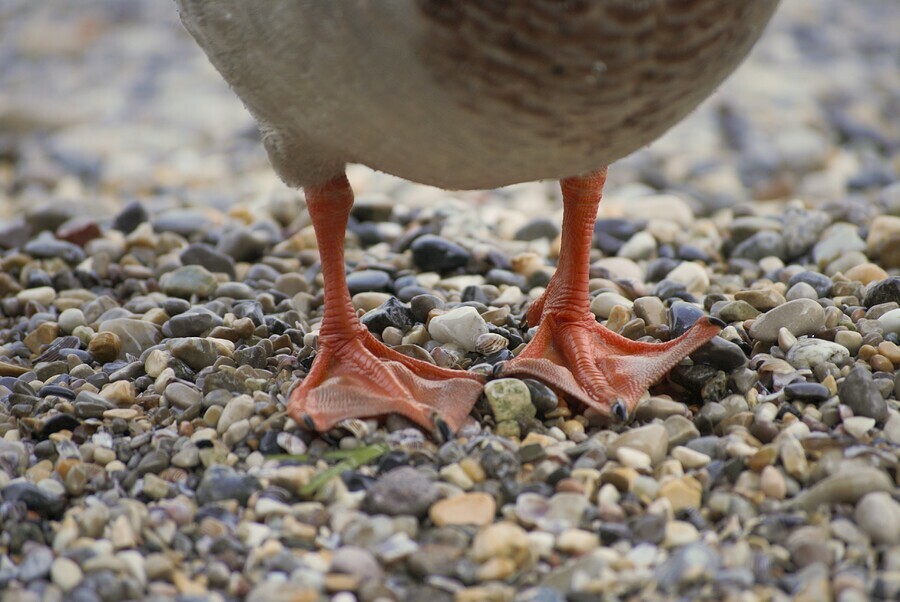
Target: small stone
{"points": [[633, 458], [196, 352], [737, 311], [652, 439], [689, 458], [772, 483], [43, 295], [577, 542], [70, 319], [402, 491], [860, 393], [189, 280], [461, 326], [502, 540], [878, 514], [121, 392], [761, 299], [680, 533], [852, 340], [866, 273], [135, 335], [809, 353], [889, 321], [435, 254], [105, 346], [858, 426], [510, 399], [602, 304], [692, 275], [844, 487], [65, 573], [241, 407], [800, 317], [466, 509], [684, 492]]}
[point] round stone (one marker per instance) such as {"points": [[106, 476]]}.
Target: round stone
{"points": [[466, 509], [800, 317]]}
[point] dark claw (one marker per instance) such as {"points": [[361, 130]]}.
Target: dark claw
{"points": [[309, 422], [442, 430], [498, 370], [716, 321], [620, 412]]}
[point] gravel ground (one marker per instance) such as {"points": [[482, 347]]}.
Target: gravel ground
{"points": [[160, 292]]}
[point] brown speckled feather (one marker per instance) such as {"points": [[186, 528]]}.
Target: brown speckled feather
{"points": [[464, 94]]}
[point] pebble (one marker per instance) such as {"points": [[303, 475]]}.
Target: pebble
{"points": [[466, 509], [147, 357], [809, 353], [861, 394], [878, 514], [800, 317], [402, 491], [510, 399], [461, 326]]}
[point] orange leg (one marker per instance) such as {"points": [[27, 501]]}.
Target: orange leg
{"points": [[354, 375], [571, 351]]}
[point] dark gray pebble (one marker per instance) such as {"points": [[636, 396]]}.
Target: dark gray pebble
{"points": [[130, 217], [884, 291], [807, 392], [432, 253], [861, 394], [204, 255], [369, 280], [820, 282], [720, 354], [403, 490], [224, 483], [390, 313]]}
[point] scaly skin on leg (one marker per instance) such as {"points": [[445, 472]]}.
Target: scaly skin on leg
{"points": [[353, 374], [571, 351]]}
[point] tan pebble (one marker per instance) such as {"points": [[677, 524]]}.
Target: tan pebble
{"points": [[772, 483], [786, 339], [765, 456], [689, 458], [105, 346], [850, 339], [468, 509], [569, 485], [574, 430], [474, 469], [793, 458], [455, 475], [120, 392], [41, 336], [633, 458], [866, 352], [680, 533], [763, 300], [123, 413], [619, 316], [830, 384], [890, 350], [621, 477], [684, 492], [865, 273], [502, 540], [577, 541], [880, 363], [496, 569], [536, 438], [858, 426]]}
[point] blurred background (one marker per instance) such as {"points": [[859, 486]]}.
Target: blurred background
{"points": [[104, 101]]}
